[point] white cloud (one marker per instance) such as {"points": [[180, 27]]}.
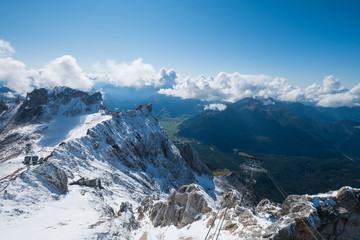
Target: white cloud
{"points": [[135, 74], [235, 86], [229, 87], [166, 78], [344, 98], [62, 71], [215, 106], [6, 50], [332, 94], [16, 76]]}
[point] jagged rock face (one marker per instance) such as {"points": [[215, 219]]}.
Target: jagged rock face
{"points": [[192, 158], [41, 105], [340, 214], [3, 107], [269, 209], [129, 152], [9, 109], [53, 176], [335, 215], [182, 207], [140, 156], [231, 199], [127, 210], [23, 121]]}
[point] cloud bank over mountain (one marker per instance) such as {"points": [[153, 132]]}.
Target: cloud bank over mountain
{"points": [[228, 87], [235, 86], [62, 71]]}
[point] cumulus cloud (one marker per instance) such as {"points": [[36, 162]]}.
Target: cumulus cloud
{"points": [[347, 98], [62, 71], [332, 94], [16, 76], [6, 50], [229, 87], [215, 106], [235, 86], [135, 74], [167, 78]]}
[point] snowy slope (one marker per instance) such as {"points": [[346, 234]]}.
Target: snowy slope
{"points": [[128, 152], [45, 119]]}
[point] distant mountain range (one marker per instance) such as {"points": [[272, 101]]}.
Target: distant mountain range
{"points": [[124, 98], [269, 126]]}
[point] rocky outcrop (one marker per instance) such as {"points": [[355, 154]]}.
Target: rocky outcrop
{"points": [[182, 207], [339, 214], [231, 199], [334, 215], [24, 120], [41, 105], [134, 144], [269, 209], [192, 158], [3, 107], [53, 177], [126, 212]]}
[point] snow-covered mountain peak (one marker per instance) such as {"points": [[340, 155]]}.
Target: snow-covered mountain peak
{"points": [[46, 118], [127, 155], [42, 105]]}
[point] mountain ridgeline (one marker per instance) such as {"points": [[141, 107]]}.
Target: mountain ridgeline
{"points": [[271, 127]]}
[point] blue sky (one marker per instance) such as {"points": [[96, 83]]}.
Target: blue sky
{"points": [[302, 41]]}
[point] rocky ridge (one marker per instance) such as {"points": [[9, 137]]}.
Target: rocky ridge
{"points": [[24, 121]]}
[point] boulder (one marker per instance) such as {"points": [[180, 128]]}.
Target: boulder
{"points": [[182, 207], [53, 177]]}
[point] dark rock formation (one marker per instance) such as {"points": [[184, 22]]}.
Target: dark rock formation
{"points": [[41, 105], [3, 107], [192, 158], [53, 177], [32, 106], [340, 215]]}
